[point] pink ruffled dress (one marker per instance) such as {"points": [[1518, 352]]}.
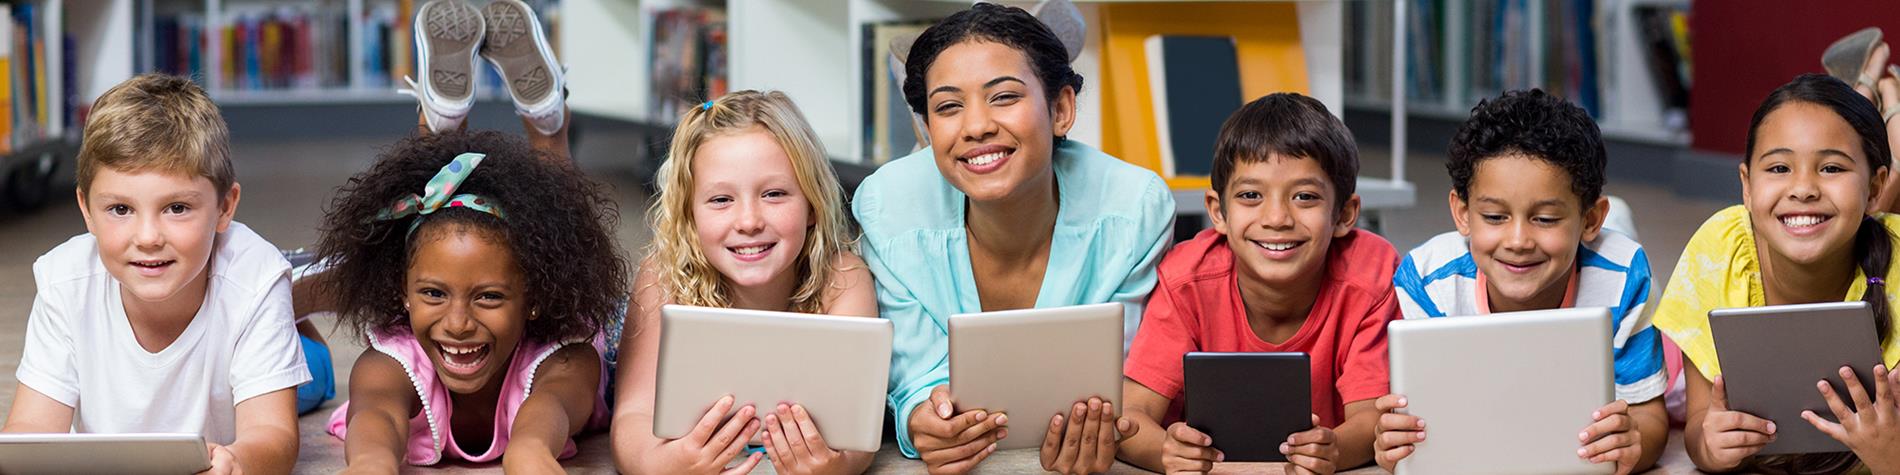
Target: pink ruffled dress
{"points": [[429, 434]]}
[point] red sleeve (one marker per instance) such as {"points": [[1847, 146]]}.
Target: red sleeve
{"points": [[1363, 371], [1166, 333]]}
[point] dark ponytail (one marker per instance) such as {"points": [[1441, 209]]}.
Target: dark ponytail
{"points": [[1873, 251]]}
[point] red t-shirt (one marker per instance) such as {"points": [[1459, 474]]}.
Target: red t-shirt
{"points": [[1196, 306]]}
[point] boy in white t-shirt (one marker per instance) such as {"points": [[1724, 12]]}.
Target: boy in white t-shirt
{"points": [[166, 316]]}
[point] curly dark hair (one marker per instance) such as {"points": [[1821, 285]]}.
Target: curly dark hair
{"points": [[559, 226], [1009, 26], [1534, 124], [1289, 125]]}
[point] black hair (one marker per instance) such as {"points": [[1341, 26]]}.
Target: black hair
{"points": [[1009, 26], [558, 225], [1292, 126], [1873, 244], [1533, 124]]}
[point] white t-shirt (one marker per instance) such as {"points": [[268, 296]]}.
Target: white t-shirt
{"points": [[80, 349]]}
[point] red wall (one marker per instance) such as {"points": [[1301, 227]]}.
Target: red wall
{"points": [[1744, 49]]}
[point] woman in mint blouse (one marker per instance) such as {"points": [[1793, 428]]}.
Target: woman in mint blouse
{"points": [[1001, 213]]}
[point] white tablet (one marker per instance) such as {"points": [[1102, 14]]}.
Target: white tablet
{"points": [[1036, 363], [28, 454], [837, 367], [1503, 393]]}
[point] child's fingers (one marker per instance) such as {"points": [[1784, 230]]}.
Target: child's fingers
{"points": [[1718, 397], [808, 430], [775, 449], [967, 450], [1188, 435], [1607, 444], [1613, 408], [1740, 439], [709, 422], [1129, 428], [1392, 421], [1308, 464], [746, 466], [1090, 442], [1834, 403], [729, 433], [732, 449], [1388, 402], [1187, 465], [1624, 458], [794, 435], [1398, 438], [1738, 421], [1832, 429], [1614, 424], [1855, 390], [776, 438], [1316, 435]]}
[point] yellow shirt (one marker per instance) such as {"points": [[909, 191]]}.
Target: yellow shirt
{"points": [[1719, 269]]}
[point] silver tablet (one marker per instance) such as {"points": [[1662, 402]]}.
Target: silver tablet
{"points": [[1033, 364], [1503, 393], [837, 367], [28, 454], [1772, 356]]}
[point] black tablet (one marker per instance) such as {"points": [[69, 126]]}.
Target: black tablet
{"points": [[1248, 402]]}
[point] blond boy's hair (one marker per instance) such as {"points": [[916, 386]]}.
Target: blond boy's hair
{"points": [[161, 123], [683, 271]]}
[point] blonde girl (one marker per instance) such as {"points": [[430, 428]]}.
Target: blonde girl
{"points": [[749, 215]]}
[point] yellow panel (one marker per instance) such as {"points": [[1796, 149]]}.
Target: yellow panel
{"points": [[1266, 41]]}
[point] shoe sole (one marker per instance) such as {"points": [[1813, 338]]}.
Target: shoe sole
{"points": [[511, 46], [1846, 56], [452, 29]]}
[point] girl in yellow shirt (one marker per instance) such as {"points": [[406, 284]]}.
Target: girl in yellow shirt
{"points": [[1817, 156]]}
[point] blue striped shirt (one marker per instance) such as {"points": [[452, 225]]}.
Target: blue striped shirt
{"points": [[1439, 278]]}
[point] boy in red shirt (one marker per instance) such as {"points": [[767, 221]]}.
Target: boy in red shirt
{"points": [[1283, 270]]}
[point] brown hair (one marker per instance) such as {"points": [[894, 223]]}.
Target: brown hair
{"points": [[157, 122]]}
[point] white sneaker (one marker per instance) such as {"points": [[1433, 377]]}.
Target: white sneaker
{"points": [[519, 50], [447, 35]]}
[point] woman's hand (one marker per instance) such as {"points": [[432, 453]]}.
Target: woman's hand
{"points": [[711, 444], [956, 444], [1870, 427], [1085, 441]]}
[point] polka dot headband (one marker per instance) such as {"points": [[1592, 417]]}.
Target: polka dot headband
{"points": [[440, 193]]}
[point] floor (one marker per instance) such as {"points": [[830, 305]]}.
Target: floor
{"points": [[286, 184]]}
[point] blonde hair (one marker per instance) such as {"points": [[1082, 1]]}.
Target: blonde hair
{"points": [[157, 122], [682, 268]]}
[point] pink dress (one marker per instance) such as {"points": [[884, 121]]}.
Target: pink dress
{"points": [[429, 433]]}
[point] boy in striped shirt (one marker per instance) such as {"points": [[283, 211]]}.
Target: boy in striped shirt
{"points": [[1527, 197]]}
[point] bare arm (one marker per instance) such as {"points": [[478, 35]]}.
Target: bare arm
{"points": [[382, 399], [851, 292], [35, 412], [1355, 434], [636, 450], [1145, 408], [563, 400], [267, 432], [1652, 421]]}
